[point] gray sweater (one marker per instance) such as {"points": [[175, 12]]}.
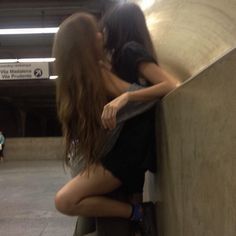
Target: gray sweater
{"points": [[127, 112]]}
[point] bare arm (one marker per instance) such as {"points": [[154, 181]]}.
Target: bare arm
{"points": [[162, 82]]}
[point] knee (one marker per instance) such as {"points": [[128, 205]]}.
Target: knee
{"points": [[63, 204]]}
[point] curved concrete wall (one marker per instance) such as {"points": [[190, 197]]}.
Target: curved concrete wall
{"points": [[189, 34], [197, 150]]}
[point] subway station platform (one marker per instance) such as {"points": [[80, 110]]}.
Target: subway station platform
{"points": [[27, 190]]}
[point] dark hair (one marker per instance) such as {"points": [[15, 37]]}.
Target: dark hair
{"points": [[126, 23]]}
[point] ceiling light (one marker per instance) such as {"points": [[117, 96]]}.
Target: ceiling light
{"points": [[28, 60], [53, 76], [51, 30], [146, 4], [36, 60], [8, 60]]}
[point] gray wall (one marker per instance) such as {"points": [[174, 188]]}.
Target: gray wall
{"points": [[190, 34], [196, 183]]}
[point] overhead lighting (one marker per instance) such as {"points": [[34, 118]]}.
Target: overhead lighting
{"points": [[53, 76], [8, 60], [36, 60], [50, 30], [27, 60], [146, 4]]}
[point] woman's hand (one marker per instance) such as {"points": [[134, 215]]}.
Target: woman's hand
{"points": [[110, 110]]}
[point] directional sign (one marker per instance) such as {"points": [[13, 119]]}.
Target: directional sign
{"points": [[15, 71]]}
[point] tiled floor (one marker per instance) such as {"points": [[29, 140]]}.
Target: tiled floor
{"points": [[27, 190]]}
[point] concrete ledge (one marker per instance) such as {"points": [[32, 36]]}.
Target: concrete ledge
{"points": [[197, 146], [34, 148]]}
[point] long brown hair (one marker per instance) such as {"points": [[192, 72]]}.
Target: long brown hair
{"points": [[80, 88]]}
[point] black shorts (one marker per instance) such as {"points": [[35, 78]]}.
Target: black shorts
{"points": [[132, 179], [128, 158]]}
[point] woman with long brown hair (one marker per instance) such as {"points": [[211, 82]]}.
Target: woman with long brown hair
{"points": [[83, 89]]}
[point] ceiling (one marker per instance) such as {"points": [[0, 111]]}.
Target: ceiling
{"points": [[35, 95], [44, 13]]}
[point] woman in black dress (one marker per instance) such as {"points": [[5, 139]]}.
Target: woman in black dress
{"points": [[133, 59]]}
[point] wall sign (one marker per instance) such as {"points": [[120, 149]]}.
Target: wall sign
{"points": [[15, 71]]}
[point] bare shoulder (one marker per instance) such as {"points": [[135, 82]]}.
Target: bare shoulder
{"points": [[113, 84]]}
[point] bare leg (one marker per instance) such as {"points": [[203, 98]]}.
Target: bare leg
{"points": [[81, 195]]}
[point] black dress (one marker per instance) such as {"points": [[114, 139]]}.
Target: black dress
{"points": [[134, 151]]}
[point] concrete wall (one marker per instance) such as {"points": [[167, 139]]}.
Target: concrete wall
{"points": [[189, 34], [34, 148], [196, 183]]}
